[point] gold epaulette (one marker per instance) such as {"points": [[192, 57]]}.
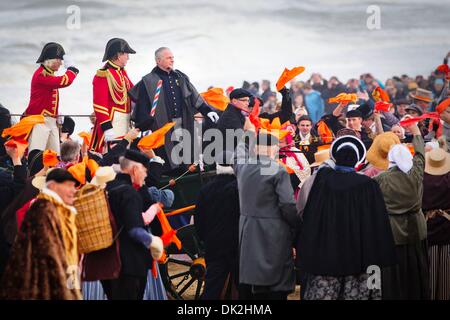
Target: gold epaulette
{"points": [[102, 73]]}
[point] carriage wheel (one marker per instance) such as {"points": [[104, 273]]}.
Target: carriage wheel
{"points": [[183, 273]]}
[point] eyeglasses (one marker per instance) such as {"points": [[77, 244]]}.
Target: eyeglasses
{"points": [[244, 99]]}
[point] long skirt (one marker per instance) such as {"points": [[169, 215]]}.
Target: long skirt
{"points": [[409, 279], [353, 287], [154, 289], [440, 271]]}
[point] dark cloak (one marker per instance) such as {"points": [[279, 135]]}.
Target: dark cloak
{"points": [[345, 226]]}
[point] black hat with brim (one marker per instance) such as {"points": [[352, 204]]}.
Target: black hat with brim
{"points": [[414, 108], [354, 114], [239, 93], [51, 50], [114, 46], [350, 141], [366, 111], [137, 156], [60, 175], [68, 125]]}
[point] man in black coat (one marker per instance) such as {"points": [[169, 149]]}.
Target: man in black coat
{"points": [[137, 245], [217, 225], [165, 95]]}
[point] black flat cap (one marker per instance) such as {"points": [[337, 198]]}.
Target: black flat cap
{"points": [[239, 93], [137, 156], [60, 175], [354, 114]]}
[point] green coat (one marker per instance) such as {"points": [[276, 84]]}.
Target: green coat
{"points": [[403, 197]]}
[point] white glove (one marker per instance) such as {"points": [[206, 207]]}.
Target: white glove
{"points": [[68, 62], [109, 135], [213, 116], [150, 214], [156, 248]]}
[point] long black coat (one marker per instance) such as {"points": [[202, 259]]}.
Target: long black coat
{"points": [[126, 205], [143, 93], [217, 216]]}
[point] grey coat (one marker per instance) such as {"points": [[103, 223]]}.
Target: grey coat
{"points": [[266, 226]]}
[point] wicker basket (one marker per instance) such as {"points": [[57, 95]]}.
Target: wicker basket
{"points": [[92, 220]]}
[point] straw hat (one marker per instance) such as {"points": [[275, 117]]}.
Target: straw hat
{"points": [[39, 181], [437, 162], [320, 157], [422, 94], [378, 152], [103, 175]]}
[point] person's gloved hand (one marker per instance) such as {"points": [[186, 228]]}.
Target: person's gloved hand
{"points": [[68, 62], [156, 247], [109, 135], [213, 116], [150, 214]]}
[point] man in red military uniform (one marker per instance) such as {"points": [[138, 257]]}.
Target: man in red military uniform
{"points": [[44, 97], [112, 105]]}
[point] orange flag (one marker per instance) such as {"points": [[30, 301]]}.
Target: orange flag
{"points": [[215, 97], [168, 236], [92, 167], [443, 105], [382, 106], [50, 158], [86, 137], [78, 171], [288, 75], [20, 144], [23, 127], [379, 94], [156, 139], [274, 128], [444, 68], [324, 132], [344, 98], [254, 116]]}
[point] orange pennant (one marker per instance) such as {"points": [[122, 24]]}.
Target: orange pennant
{"points": [[288, 75], [443, 105], [382, 106], [379, 94], [20, 144], [254, 115], [86, 137], [49, 158], [92, 166], [274, 128], [215, 97], [156, 139], [325, 133], [344, 98], [23, 128], [78, 171]]}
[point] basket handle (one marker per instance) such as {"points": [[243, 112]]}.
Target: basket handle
{"points": [[87, 188]]}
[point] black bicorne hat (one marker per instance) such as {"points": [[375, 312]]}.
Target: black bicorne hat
{"points": [[114, 46], [51, 50]]}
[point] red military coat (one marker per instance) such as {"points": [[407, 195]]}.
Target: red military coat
{"points": [[110, 86], [44, 97]]}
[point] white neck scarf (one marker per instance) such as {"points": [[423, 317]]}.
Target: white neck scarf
{"points": [[400, 156]]}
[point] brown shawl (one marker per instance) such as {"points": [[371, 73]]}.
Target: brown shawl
{"points": [[37, 268]]}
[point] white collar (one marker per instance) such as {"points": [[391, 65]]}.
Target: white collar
{"points": [[303, 138], [58, 199], [224, 169]]}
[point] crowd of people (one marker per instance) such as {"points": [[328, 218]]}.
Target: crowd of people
{"points": [[340, 188]]}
